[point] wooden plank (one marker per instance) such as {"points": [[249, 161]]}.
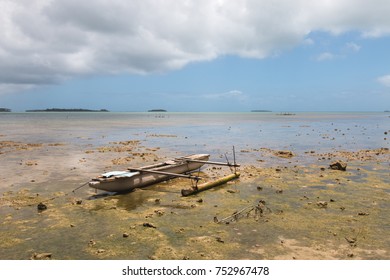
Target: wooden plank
{"points": [[212, 162], [166, 173], [210, 185]]}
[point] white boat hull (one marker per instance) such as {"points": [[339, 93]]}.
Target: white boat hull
{"points": [[131, 180]]}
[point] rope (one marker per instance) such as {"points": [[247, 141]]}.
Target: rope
{"points": [[80, 187], [65, 194]]}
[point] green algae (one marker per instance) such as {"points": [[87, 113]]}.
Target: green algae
{"points": [[314, 213]]}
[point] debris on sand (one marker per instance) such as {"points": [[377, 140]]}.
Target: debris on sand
{"points": [[278, 153], [361, 155], [149, 225], [338, 165], [41, 256], [259, 210]]}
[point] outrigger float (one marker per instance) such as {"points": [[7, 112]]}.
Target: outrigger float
{"points": [[128, 180]]}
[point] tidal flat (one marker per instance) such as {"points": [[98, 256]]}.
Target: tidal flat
{"points": [[287, 204]]}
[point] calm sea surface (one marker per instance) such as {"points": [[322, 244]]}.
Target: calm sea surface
{"points": [[211, 132]]}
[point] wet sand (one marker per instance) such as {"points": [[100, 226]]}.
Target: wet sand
{"points": [[306, 210]]}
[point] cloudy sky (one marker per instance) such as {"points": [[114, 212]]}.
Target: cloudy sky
{"points": [[195, 55]]}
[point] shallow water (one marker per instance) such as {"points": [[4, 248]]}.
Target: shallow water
{"points": [[294, 225], [191, 130]]}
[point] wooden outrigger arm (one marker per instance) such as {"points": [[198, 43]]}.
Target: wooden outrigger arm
{"points": [[197, 178], [213, 162]]}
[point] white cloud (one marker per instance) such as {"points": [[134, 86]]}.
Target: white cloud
{"points": [[308, 42], [346, 50], [325, 56], [353, 47], [233, 94], [47, 41], [384, 80]]}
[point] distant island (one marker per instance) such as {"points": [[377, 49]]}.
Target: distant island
{"points": [[5, 110], [66, 110], [157, 110], [261, 111]]}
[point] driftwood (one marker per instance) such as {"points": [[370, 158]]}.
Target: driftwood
{"points": [[209, 185], [258, 209]]}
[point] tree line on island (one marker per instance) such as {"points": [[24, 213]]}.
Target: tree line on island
{"points": [[2, 110], [66, 110]]}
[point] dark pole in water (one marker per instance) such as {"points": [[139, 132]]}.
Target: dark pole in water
{"points": [[234, 159]]}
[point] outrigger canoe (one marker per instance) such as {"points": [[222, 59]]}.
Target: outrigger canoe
{"points": [[125, 181]]}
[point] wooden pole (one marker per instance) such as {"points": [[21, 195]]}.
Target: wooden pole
{"points": [[166, 173], [213, 162], [210, 185]]}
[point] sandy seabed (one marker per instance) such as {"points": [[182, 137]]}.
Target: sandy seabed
{"points": [[282, 207]]}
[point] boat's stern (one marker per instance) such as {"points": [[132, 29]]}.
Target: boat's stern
{"points": [[204, 157]]}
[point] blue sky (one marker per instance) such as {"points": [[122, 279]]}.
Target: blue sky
{"points": [[307, 62]]}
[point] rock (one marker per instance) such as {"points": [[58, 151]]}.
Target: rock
{"points": [[41, 206], [219, 239], [284, 154], [338, 165], [41, 256], [149, 225], [322, 204], [159, 212], [352, 241], [125, 234]]}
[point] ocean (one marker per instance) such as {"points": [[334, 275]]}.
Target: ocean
{"points": [[217, 131]]}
